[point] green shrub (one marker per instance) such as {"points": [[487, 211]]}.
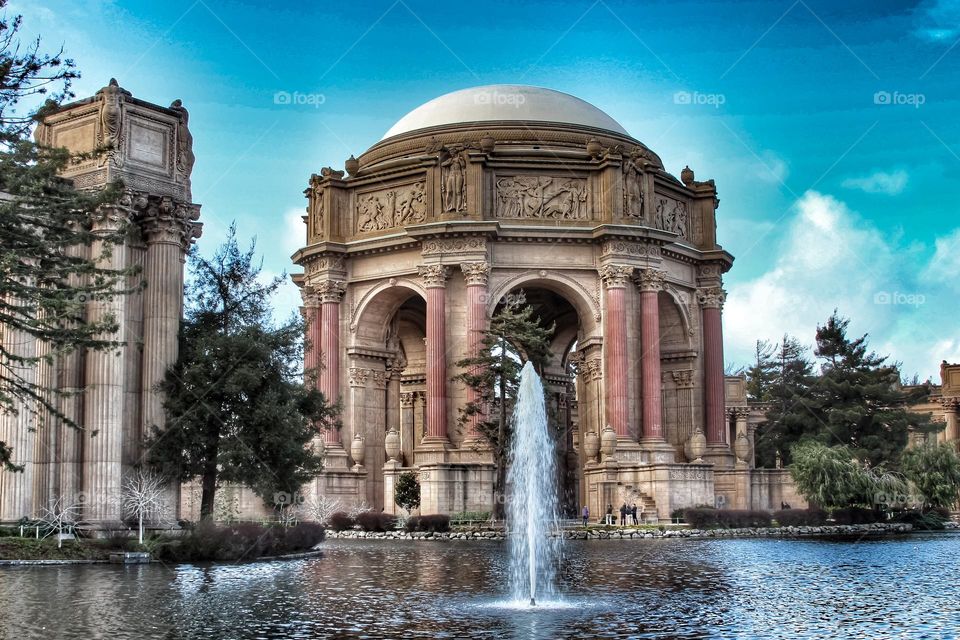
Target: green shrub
{"points": [[470, 516], [706, 517], [340, 521], [435, 523], [857, 515], [933, 520], [245, 541], [800, 517], [370, 521]]}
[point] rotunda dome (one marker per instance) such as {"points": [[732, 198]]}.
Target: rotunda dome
{"points": [[505, 103]]}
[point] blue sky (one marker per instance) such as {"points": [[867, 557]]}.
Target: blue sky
{"points": [[832, 132]]}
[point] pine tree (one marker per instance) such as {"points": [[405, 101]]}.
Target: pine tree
{"points": [[788, 392], [236, 408], [44, 283], [763, 372], [859, 400], [513, 338]]}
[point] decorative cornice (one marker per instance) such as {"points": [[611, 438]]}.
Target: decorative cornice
{"points": [[650, 279], [476, 273], [434, 276], [615, 276]]}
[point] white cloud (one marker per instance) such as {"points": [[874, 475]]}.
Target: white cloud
{"points": [[889, 183], [769, 167], [944, 267], [831, 258], [294, 231], [938, 21]]}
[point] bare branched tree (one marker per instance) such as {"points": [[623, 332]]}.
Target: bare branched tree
{"points": [[60, 516], [143, 497], [320, 508]]}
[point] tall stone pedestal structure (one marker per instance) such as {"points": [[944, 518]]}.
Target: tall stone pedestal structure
{"points": [[115, 397]]}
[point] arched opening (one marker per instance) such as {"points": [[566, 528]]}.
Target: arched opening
{"points": [[559, 381], [387, 367]]}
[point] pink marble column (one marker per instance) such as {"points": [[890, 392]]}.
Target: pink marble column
{"points": [[435, 280], [313, 317], [476, 275], [711, 301], [330, 293], [615, 279], [650, 282]]}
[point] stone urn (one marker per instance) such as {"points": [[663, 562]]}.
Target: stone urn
{"points": [[591, 446], [487, 143], [352, 165], [608, 442], [594, 148], [392, 444], [696, 446], [357, 450], [741, 447]]}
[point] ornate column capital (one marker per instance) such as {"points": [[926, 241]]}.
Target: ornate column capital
{"points": [[310, 297], [407, 398], [683, 378], [476, 273], [110, 218], [434, 276], [358, 376], [712, 297], [615, 276], [330, 290], [950, 404], [649, 279]]}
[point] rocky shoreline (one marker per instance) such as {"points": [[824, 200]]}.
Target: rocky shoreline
{"points": [[856, 530]]}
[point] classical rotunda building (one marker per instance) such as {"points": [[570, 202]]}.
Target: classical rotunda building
{"points": [[494, 190]]}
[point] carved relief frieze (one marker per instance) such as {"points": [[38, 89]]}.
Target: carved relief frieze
{"points": [[628, 248], [472, 244], [671, 215], [391, 208], [542, 197]]}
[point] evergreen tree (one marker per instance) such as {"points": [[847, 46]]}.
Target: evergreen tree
{"points": [[513, 338], [762, 373], [44, 283], [788, 392], [236, 408], [858, 399]]}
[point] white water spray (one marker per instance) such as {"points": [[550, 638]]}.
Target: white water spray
{"points": [[532, 496]]}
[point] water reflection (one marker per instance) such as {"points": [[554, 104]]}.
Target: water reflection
{"points": [[645, 589]]}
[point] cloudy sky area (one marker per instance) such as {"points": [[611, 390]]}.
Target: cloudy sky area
{"points": [[832, 132]]}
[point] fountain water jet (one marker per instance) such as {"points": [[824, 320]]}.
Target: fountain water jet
{"points": [[532, 490]]}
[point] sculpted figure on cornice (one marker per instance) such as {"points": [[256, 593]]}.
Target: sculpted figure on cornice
{"points": [[392, 208], [671, 215], [542, 197], [315, 211], [453, 184], [633, 188], [185, 156], [111, 114]]}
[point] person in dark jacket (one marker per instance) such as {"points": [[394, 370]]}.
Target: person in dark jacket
{"points": [[633, 513], [623, 514], [609, 518]]}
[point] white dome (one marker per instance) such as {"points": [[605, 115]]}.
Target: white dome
{"points": [[505, 102]]}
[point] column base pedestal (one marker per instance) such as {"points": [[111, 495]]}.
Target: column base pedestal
{"points": [[719, 455], [433, 450], [335, 457], [658, 451]]}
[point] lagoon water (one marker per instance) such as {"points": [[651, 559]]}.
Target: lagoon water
{"points": [[904, 587]]}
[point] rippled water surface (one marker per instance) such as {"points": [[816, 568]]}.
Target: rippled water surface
{"points": [[892, 588]]}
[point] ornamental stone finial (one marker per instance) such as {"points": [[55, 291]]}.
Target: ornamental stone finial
{"points": [[476, 273], [615, 276], [650, 279], [434, 276]]}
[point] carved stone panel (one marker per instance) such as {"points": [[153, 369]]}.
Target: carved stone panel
{"points": [[542, 197], [453, 185], [671, 215], [395, 207]]}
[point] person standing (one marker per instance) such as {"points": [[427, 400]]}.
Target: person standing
{"points": [[633, 513], [586, 515], [609, 518], [623, 514]]}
